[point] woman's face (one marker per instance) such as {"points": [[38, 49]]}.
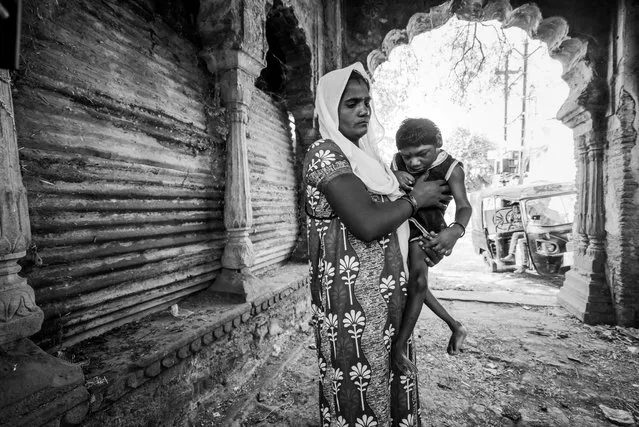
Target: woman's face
{"points": [[354, 110]]}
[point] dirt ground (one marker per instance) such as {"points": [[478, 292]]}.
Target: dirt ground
{"points": [[524, 364]]}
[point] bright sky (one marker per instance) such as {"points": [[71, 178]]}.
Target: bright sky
{"points": [[421, 73]]}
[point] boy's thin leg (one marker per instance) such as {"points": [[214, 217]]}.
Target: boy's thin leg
{"points": [[458, 330], [417, 286]]}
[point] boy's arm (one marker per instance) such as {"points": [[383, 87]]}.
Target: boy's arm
{"points": [[457, 185], [449, 236]]}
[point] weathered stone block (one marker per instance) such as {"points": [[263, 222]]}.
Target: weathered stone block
{"points": [[135, 378], [153, 370], [184, 352], [228, 327], [76, 415], [207, 338], [169, 361], [196, 346], [35, 385], [95, 400], [219, 332]]}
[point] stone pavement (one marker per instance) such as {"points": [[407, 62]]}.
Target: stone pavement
{"points": [[497, 297]]}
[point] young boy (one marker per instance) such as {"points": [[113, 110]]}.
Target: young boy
{"points": [[419, 143]]}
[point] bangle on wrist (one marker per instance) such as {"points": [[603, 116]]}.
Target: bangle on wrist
{"points": [[413, 202], [462, 227]]}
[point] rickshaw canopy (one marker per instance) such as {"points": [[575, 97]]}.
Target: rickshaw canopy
{"points": [[529, 191]]}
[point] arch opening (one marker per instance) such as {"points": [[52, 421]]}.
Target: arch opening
{"points": [[587, 291], [493, 92]]}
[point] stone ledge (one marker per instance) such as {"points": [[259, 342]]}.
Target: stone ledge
{"points": [[128, 357]]}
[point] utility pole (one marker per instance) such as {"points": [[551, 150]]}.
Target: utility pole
{"points": [[506, 72], [524, 96]]}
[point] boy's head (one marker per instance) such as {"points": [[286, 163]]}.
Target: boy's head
{"points": [[419, 142]]}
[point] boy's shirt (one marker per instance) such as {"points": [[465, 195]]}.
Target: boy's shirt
{"points": [[429, 219]]}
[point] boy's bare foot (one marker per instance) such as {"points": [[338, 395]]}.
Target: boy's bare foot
{"points": [[457, 339], [402, 364]]}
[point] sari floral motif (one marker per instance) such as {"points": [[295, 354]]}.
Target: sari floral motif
{"points": [[358, 293]]}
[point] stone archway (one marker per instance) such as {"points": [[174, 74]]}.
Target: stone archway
{"points": [[289, 65], [289, 59], [235, 48], [585, 292]]}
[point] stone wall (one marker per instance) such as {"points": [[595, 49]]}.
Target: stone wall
{"points": [[622, 167], [163, 371], [122, 149], [126, 188]]}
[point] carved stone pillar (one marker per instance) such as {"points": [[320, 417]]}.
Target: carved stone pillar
{"points": [[585, 292], [19, 315], [233, 37], [236, 72], [36, 387], [594, 226]]}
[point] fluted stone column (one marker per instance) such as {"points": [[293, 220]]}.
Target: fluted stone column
{"points": [[236, 72], [35, 387], [585, 291], [234, 48]]}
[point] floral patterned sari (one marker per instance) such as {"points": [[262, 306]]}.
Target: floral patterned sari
{"points": [[358, 296]]}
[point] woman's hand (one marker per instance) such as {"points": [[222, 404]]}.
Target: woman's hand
{"points": [[405, 180], [430, 193]]}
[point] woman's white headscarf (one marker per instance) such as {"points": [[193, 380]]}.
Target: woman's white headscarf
{"points": [[365, 160]]}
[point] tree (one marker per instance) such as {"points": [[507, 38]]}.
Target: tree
{"points": [[455, 76], [472, 150]]}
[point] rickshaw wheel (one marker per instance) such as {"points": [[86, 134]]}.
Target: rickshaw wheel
{"points": [[489, 262]]}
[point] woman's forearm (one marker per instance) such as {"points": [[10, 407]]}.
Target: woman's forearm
{"points": [[363, 217], [383, 218]]}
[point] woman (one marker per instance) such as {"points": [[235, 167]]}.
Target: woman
{"points": [[358, 245]]}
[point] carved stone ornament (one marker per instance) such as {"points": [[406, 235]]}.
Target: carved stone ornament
{"points": [[235, 72], [238, 252], [20, 317], [233, 25]]}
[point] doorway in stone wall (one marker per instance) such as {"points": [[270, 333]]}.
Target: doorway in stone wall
{"points": [[494, 92], [287, 78]]}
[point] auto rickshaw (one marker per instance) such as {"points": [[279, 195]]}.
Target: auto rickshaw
{"points": [[540, 216]]}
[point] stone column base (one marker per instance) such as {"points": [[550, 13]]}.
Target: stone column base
{"points": [[241, 283], [586, 296], [38, 388]]}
